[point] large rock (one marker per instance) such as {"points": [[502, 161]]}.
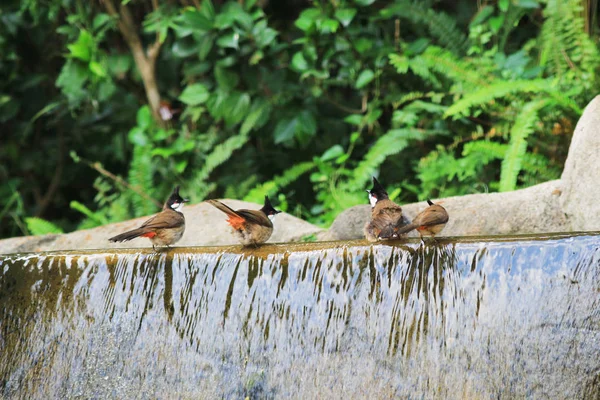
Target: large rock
{"points": [[205, 226], [581, 175]]}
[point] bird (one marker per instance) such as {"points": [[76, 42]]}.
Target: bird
{"points": [[386, 216], [163, 229], [252, 227], [428, 222]]}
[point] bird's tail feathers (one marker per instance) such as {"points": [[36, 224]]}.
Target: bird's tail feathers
{"points": [[406, 228], [123, 237], [227, 210]]}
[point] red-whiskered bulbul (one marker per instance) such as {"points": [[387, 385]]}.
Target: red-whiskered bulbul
{"points": [[386, 216], [253, 227], [428, 222], [165, 228]]}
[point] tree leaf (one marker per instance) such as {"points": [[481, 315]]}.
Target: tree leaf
{"points": [[97, 69], [332, 152], [226, 79], [257, 116], [299, 63], [307, 19], [364, 78], [284, 130], [82, 48], [230, 40], [238, 104], [345, 15], [196, 21], [194, 94]]}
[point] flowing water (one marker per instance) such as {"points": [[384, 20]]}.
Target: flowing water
{"points": [[484, 318]]}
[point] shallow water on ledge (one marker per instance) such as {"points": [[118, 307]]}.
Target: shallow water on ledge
{"points": [[484, 318]]}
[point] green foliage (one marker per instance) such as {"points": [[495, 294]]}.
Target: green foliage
{"points": [[221, 153], [433, 98], [278, 183], [566, 50], [39, 226], [523, 126]]}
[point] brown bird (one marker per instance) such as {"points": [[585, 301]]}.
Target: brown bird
{"points": [[386, 216], [428, 222], [165, 228], [253, 227]]}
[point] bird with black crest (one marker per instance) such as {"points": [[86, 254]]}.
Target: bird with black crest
{"points": [[252, 227], [165, 228], [386, 216]]}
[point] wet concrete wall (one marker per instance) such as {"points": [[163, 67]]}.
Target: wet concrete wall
{"points": [[482, 318]]}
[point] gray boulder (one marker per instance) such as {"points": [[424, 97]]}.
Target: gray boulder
{"points": [[205, 226], [581, 175]]}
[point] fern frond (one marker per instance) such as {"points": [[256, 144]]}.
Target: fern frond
{"points": [[500, 88], [221, 153], [392, 142], [95, 217], [457, 69], [269, 188], [486, 149], [441, 26], [239, 189], [400, 99], [421, 67], [539, 166], [566, 48], [522, 128], [39, 226], [141, 172], [400, 62]]}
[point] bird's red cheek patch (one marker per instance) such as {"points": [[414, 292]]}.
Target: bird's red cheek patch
{"points": [[149, 234], [237, 222]]}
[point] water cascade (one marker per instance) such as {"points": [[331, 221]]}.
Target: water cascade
{"points": [[482, 318]]}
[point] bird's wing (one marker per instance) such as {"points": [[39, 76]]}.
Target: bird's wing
{"points": [[433, 215], [255, 216], [165, 219], [387, 215]]}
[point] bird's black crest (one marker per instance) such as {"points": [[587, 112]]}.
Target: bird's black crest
{"points": [[175, 198], [268, 208], [378, 191]]}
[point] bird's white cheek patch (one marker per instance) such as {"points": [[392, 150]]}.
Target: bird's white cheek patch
{"points": [[177, 206], [372, 200], [271, 217]]}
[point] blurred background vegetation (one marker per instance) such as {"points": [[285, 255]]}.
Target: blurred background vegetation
{"points": [[106, 105]]}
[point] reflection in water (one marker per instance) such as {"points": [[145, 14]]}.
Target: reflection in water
{"points": [[475, 320]]}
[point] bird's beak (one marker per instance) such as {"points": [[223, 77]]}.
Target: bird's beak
{"points": [[186, 200]]}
